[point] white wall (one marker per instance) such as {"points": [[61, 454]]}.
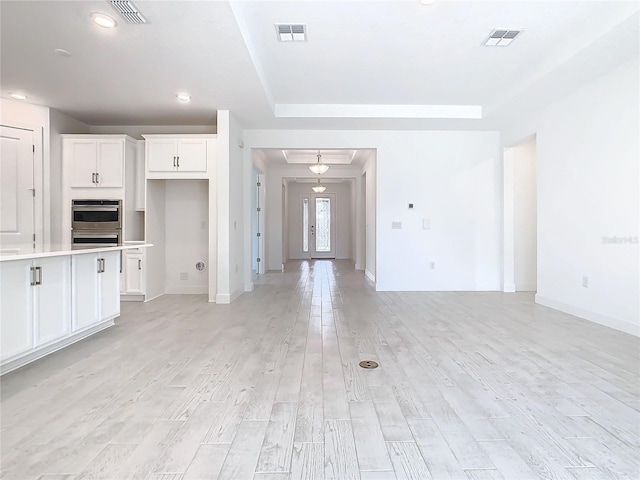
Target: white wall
{"points": [[370, 218], [186, 235], [343, 221], [524, 215], [452, 177], [588, 183]]}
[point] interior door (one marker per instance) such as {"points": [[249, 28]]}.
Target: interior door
{"points": [[321, 225], [17, 200]]}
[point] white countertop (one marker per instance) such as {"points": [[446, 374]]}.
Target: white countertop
{"points": [[25, 252]]}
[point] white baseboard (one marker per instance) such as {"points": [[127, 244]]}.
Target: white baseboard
{"points": [[129, 297], [250, 288], [526, 287], [370, 275], [509, 288], [595, 317], [223, 298], [189, 290]]}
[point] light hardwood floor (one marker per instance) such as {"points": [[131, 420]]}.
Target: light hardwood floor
{"points": [[470, 386]]}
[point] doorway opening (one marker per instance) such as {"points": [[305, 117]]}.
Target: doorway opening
{"points": [[520, 227]]}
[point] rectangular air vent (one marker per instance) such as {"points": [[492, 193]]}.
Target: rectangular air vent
{"points": [[291, 33], [128, 11], [502, 37]]}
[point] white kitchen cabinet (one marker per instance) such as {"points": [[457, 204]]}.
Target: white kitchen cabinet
{"points": [[16, 308], [95, 162], [133, 272], [35, 303], [96, 288], [179, 154]]}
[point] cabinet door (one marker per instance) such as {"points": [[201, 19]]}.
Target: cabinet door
{"points": [[192, 155], [83, 163], [161, 155], [52, 305], [133, 273], [140, 177], [110, 285], [16, 308], [84, 297], [110, 164]]}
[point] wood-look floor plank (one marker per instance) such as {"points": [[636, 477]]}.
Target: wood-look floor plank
{"points": [[277, 448], [241, 459], [370, 446], [340, 458], [407, 462], [207, 462], [308, 461]]}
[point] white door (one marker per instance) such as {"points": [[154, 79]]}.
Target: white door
{"points": [[83, 163], [161, 155], [52, 305], [192, 155], [110, 163], [85, 290], [321, 225], [17, 206], [16, 308], [110, 285]]}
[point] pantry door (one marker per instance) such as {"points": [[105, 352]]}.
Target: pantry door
{"points": [[318, 225], [17, 191]]}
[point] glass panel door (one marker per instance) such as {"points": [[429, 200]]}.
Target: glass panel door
{"points": [[321, 226]]}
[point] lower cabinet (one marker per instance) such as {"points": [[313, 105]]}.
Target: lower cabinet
{"points": [[96, 288], [35, 307], [133, 272]]}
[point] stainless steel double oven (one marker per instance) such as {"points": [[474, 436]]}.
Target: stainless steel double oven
{"points": [[96, 223]]}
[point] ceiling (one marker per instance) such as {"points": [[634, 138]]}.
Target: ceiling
{"points": [[366, 64]]}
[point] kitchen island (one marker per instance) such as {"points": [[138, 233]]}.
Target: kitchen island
{"points": [[53, 296]]}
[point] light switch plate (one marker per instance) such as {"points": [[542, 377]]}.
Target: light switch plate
{"points": [[426, 224], [396, 225]]}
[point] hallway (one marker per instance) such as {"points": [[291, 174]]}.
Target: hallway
{"points": [[473, 385]]}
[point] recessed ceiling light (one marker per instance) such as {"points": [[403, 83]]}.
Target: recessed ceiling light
{"points": [[103, 20], [62, 52], [18, 96], [183, 97]]}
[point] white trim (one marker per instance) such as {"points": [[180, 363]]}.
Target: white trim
{"points": [[250, 287], [510, 288], [370, 275], [223, 298], [621, 325]]}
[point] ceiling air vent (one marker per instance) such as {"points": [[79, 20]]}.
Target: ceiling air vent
{"points": [[291, 33], [128, 11], [502, 37]]}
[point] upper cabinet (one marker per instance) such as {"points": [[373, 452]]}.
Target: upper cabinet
{"points": [[179, 156], [95, 162]]}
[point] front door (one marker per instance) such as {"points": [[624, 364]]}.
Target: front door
{"points": [[17, 212], [319, 225]]}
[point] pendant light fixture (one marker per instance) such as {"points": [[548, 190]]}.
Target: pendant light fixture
{"points": [[319, 188], [319, 167]]}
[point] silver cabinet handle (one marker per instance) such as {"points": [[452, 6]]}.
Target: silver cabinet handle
{"points": [[101, 265], [178, 161], [36, 276], [97, 177], [93, 178], [174, 161], [102, 259], [139, 264]]}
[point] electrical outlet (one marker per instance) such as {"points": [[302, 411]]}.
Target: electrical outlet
{"points": [[184, 276], [585, 282], [432, 265]]}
